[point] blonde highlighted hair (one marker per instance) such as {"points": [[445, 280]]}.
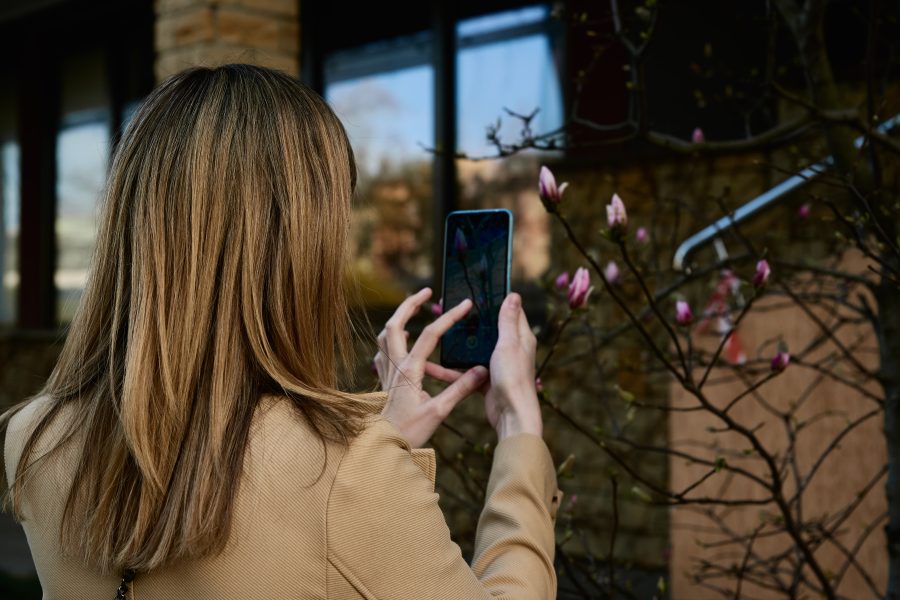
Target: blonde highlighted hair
{"points": [[218, 277]]}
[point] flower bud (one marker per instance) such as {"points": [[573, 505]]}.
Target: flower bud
{"points": [[580, 288], [780, 361], [611, 272], [761, 277], [697, 136], [616, 215], [460, 244], [641, 235], [683, 313], [547, 187], [562, 280]]}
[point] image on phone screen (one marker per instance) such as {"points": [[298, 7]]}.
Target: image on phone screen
{"points": [[477, 253]]}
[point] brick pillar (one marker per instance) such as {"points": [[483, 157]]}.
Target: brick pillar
{"points": [[215, 32]]}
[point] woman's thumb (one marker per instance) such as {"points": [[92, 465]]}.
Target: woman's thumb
{"points": [[508, 320]]}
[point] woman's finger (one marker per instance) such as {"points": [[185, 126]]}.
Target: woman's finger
{"points": [[508, 319], [393, 339], [432, 333], [464, 386], [441, 373]]}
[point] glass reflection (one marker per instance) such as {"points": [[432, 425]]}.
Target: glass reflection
{"points": [[507, 61], [9, 231], [82, 152], [389, 118]]}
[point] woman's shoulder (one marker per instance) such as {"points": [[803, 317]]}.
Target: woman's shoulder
{"points": [[20, 426]]}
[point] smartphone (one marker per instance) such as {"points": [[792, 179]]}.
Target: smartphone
{"points": [[477, 259]]}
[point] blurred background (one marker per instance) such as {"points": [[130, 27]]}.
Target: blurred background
{"points": [[429, 93]]}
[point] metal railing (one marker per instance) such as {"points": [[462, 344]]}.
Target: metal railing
{"points": [[714, 231]]}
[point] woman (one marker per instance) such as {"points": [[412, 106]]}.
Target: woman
{"points": [[192, 441]]}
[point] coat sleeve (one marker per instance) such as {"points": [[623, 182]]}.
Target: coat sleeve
{"points": [[387, 537]]}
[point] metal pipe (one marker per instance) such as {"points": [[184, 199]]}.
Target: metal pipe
{"points": [[763, 200]]}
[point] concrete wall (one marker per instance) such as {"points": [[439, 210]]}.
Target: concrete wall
{"points": [[826, 406]]}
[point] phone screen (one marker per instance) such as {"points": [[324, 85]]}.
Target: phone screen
{"points": [[477, 249]]}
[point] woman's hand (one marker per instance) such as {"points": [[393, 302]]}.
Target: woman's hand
{"points": [[409, 408], [510, 398]]}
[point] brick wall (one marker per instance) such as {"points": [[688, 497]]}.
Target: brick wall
{"points": [[215, 32]]}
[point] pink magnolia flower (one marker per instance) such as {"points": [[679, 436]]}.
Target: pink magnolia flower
{"points": [[780, 361], [611, 272], [804, 211], [641, 235], [547, 187], [459, 243], [683, 313], [580, 288], [437, 308], [697, 136], [761, 277], [562, 280], [616, 215]]}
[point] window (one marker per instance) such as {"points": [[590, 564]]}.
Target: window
{"points": [[507, 61], [384, 93], [73, 74], [9, 229], [9, 203], [82, 153]]}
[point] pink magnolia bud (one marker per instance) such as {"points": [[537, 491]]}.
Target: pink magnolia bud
{"points": [[616, 216], [804, 211], [697, 136], [482, 267], [683, 313], [580, 288], [538, 384], [761, 277], [641, 235], [780, 361], [547, 187], [611, 272], [562, 280], [460, 244], [437, 308]]}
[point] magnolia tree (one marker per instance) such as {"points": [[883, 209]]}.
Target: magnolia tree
{"points": [[765, 449]]}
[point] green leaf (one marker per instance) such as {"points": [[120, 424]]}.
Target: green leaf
{"points": [[661, 585], [626, 395], [641, 494], [720, 463]]}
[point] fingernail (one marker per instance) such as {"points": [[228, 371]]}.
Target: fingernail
{"points": [[480, 371], [464, 301], [515, 300]]}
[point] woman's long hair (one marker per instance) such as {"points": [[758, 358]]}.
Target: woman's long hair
{"points": [[218, 277]]}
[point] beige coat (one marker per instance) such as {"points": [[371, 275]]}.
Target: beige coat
{"points": [[314, 521]]}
